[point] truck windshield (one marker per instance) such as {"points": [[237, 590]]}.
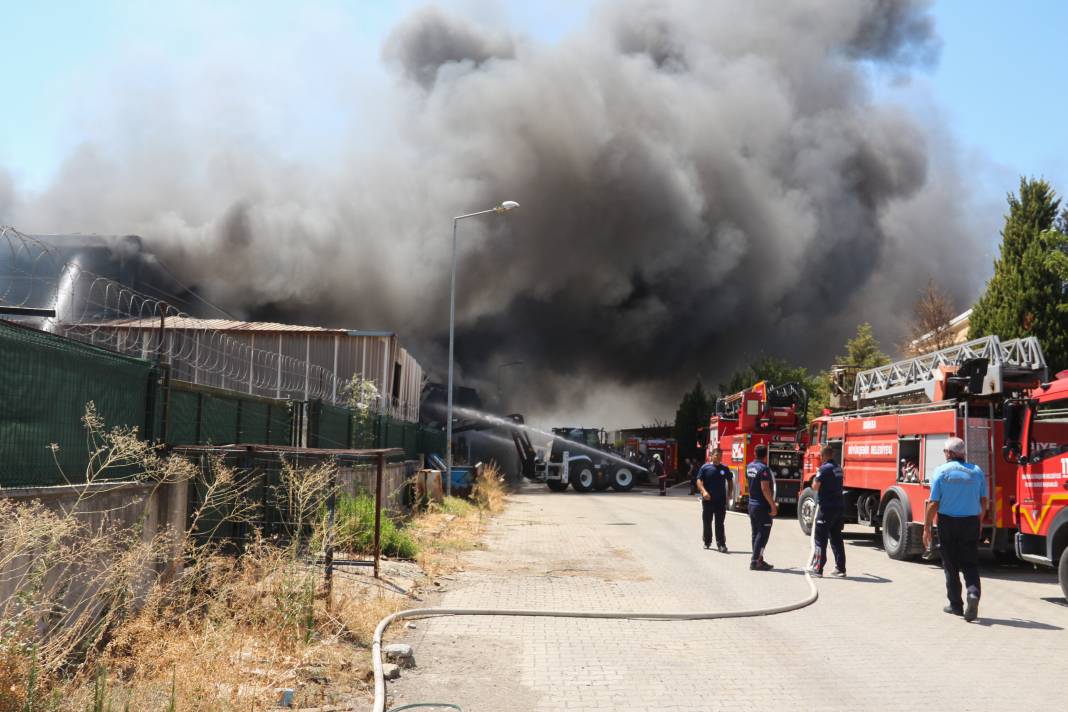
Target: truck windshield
{"points": [[1048, 428], [593, 438]]}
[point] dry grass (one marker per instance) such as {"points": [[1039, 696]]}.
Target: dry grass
{"points": [[99, 620], [92, 617], [446, 530], [489, 491]]}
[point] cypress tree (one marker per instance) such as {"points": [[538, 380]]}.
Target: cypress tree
{"points": [[1026, 295], [863, 350]]}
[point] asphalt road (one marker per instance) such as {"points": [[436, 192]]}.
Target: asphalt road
{"points": [[877, 640]]}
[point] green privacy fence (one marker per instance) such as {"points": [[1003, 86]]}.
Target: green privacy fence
{"points": [[199, 415], [45, 383], [341, 428], [47, 380]]}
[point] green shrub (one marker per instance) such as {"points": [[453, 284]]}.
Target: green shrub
{"points": [[354, 527]]}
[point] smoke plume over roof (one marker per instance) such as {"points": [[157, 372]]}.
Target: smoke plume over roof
{"points": [[700, 183]]}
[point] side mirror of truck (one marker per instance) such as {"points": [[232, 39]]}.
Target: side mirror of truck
{"points": [[1014, 413]]}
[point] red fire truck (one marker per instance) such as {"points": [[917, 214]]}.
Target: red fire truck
{"points": [[762, 415], [641, 450], [892, 442], [1035, 440]]}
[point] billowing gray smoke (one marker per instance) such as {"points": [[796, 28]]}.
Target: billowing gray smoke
{"points": [[701, 182]]}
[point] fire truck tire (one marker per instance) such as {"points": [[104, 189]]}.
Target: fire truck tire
{"points": [[602, 484], [623, 479], [1062, 572], [583, 477], [556, 485], [806, 510], [900, 539]]}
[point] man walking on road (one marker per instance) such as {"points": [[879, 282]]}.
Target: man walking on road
{"points": [[959, 496], [715, 482], [831, 519], [762, 506]]}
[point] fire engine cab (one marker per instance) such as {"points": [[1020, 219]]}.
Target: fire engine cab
{"points": [[761, 415], [891, 441], [1035, 440]]}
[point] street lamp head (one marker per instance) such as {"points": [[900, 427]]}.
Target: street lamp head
{"points": [[506, 206]]}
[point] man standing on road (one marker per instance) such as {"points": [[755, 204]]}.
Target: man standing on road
{"points": [[831, 519], [660, 473], [959, 496], [715, 482], [691, 472], [762, 506]]}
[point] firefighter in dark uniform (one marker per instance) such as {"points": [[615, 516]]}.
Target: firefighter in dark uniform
{"points": [[762, 506], [831, 519], [715, 481], [660, 473]]}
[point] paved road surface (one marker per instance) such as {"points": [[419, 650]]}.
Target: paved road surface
{"points": [[876, 641]]}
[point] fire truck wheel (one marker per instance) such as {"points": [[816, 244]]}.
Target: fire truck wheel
{"points": [[583, 477], [623, 479], [806, 510], [556, 485], [1062, 572], [602, 484], [898, 533]]}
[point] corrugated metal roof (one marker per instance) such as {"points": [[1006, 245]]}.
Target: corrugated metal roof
{"points": [[215, 325], [361, 332]]}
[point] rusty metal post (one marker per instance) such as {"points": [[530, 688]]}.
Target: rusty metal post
{"points": [[328, 554], [378, 509]]}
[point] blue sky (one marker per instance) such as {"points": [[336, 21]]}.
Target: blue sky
{"points": [[996, 86], [999, 83]]}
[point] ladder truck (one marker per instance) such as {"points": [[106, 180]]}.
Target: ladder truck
{"points": [[762, 415], [891, 439]]}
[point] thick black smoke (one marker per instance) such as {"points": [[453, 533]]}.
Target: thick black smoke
{"points": [[700, 183]]}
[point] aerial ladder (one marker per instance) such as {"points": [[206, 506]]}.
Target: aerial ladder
{"points": [[983, 367]]}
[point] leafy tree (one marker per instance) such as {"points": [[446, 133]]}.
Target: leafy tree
{"points": [[363, 397], [1027, 296], [863, 350], [776, 371], [693, 413]]}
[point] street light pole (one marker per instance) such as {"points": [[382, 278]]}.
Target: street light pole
{"points": [[502, 208]]}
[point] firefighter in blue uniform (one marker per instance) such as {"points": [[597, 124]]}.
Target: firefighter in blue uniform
{"points": [[762, 506], [831, 519], [715, 481]]}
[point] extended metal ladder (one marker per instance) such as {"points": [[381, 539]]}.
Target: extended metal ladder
{"points": [[1006, 362]]}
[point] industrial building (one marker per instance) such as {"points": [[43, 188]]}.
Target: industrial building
{"points": [[269, 359]]}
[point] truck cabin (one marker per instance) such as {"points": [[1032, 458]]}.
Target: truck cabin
{"points": [[575, 441]]}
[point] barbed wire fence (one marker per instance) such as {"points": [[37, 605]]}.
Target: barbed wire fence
{"points": [[104, 312]]}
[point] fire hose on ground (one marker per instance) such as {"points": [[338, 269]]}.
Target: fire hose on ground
{"points": [[376, 645]]}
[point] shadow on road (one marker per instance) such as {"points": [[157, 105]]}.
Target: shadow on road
{"points": [[1016, 623], [864, 578]]}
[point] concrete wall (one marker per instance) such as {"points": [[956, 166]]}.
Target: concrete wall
{"points": [[148, 509]]}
